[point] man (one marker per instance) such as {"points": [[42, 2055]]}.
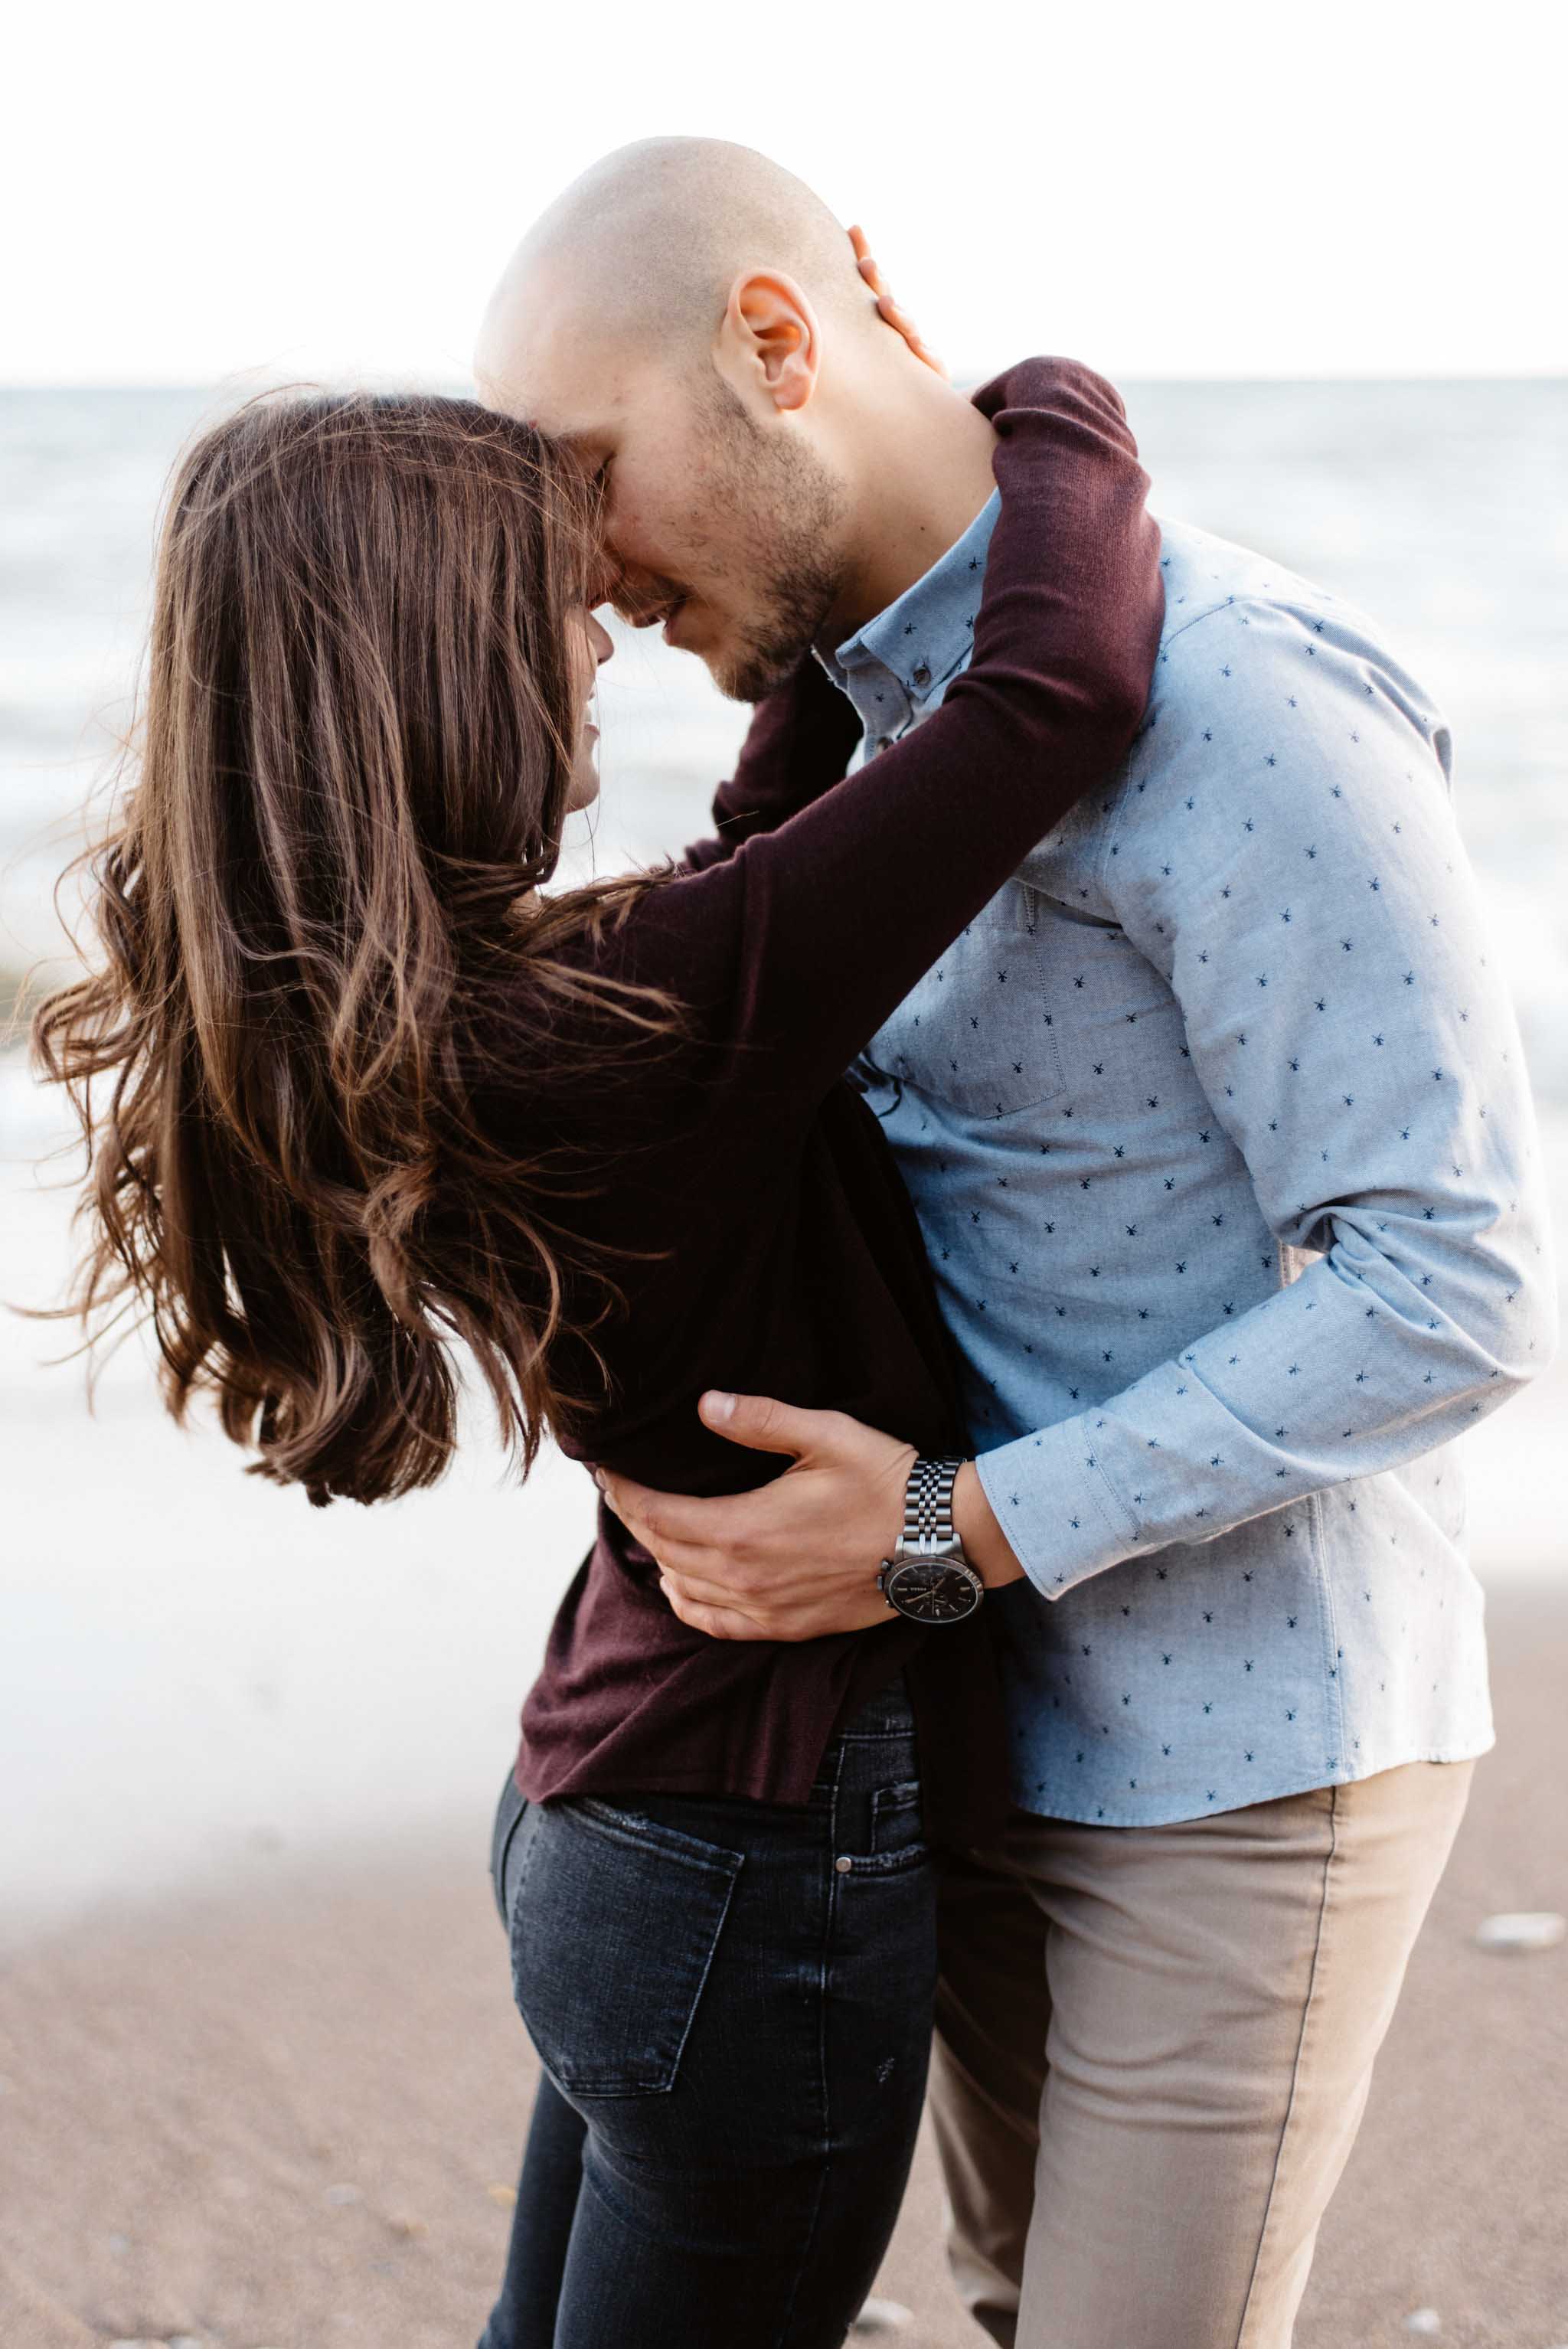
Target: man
{"points": [[1217, 1125]]}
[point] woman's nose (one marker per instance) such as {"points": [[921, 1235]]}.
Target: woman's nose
{"points": [[602, 642]]}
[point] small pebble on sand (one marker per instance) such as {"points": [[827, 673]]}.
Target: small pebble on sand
{"points": [[1423, 2320], [1524, 1929], [505, 2195], [882, 2316]]}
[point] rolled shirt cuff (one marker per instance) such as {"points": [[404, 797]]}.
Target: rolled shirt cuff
{"points": [[1051, 1499]]}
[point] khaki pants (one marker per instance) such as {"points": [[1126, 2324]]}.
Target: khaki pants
{"points": [[1153, 2051]]}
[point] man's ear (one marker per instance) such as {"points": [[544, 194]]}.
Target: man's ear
{"points": [[769, 346]]}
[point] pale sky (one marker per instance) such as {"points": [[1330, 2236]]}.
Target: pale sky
{"points": [[208, 192]]}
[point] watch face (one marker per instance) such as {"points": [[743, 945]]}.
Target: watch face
{"points": [[932, 1590]]}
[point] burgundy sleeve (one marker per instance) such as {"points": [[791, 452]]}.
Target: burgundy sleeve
{"points": [[799, 744], [791, 953]]}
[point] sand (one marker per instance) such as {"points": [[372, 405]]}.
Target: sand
{"points": [[288, 2117]]}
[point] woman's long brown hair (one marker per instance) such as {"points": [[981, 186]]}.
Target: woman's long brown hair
{"points": [[359, 726]]}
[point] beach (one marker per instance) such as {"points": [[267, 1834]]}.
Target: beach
{"points": [[262, 2085], [286, 2116]]}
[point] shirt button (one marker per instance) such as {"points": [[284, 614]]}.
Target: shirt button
{"points": [[922, 675], [843, 1865]]}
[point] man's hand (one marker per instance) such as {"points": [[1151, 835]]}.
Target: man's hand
{"points": [[799, 1557]]}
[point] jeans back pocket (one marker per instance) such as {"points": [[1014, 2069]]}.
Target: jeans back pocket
{"points": [[614, 1925], [898, 1831]]}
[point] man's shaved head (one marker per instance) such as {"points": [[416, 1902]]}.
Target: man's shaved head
{"points": [[661, 229]]}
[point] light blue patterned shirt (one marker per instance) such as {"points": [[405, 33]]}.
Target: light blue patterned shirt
{"points": [[1218, 1127]]}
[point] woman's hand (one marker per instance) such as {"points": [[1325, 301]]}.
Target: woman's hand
{"points": [[890, 308]]}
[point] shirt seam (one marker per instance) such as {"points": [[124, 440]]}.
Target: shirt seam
{"points": [[1333, 1684], [1113, 830], [1108, 1490]]}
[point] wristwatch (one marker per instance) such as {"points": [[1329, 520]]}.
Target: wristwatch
{"points": [[928, 1578]]}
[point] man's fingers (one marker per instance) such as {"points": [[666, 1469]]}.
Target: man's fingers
{"points": [[628, 1501], [719, 1581], [688, 1536], [662, 1522], [718, 1622], [788, 1626], [691, 1595], [764, 1424]]}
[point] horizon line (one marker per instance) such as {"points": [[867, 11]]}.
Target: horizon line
{"points": [[1546, 373]]}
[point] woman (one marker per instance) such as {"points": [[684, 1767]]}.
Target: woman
{"points": [[374, 1098]]}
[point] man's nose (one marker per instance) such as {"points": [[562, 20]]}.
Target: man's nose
{"points": [[634, 599]]}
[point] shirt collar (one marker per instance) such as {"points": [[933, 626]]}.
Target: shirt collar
{"points": [[895, 664]]}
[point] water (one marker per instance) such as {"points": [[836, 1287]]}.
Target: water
{"points": [[200, 1675], [1438, 507]]}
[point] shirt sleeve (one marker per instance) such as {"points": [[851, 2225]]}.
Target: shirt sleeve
{"points": [[799, 744], [789, 954], [1289, 862]]}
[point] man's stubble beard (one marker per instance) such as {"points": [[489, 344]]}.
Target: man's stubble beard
{"points": [[778, 489]]}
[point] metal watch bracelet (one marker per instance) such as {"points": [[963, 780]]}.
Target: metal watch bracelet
{"points": [[928, 1508], [928, 1579]]}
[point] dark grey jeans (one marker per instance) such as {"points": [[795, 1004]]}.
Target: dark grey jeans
{"points": [[732, 2002]]}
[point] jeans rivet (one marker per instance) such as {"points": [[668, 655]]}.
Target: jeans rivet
{"points": [[843, 1865]]}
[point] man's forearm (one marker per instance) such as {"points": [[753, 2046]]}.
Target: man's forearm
{"points": [[1350, 1370]]}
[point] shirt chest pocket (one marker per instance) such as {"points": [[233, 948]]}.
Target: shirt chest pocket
{"points": [[1117, 1028], [978, 1033]]}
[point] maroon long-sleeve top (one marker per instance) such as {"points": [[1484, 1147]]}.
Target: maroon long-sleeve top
{"points": [[771, 1247]]}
